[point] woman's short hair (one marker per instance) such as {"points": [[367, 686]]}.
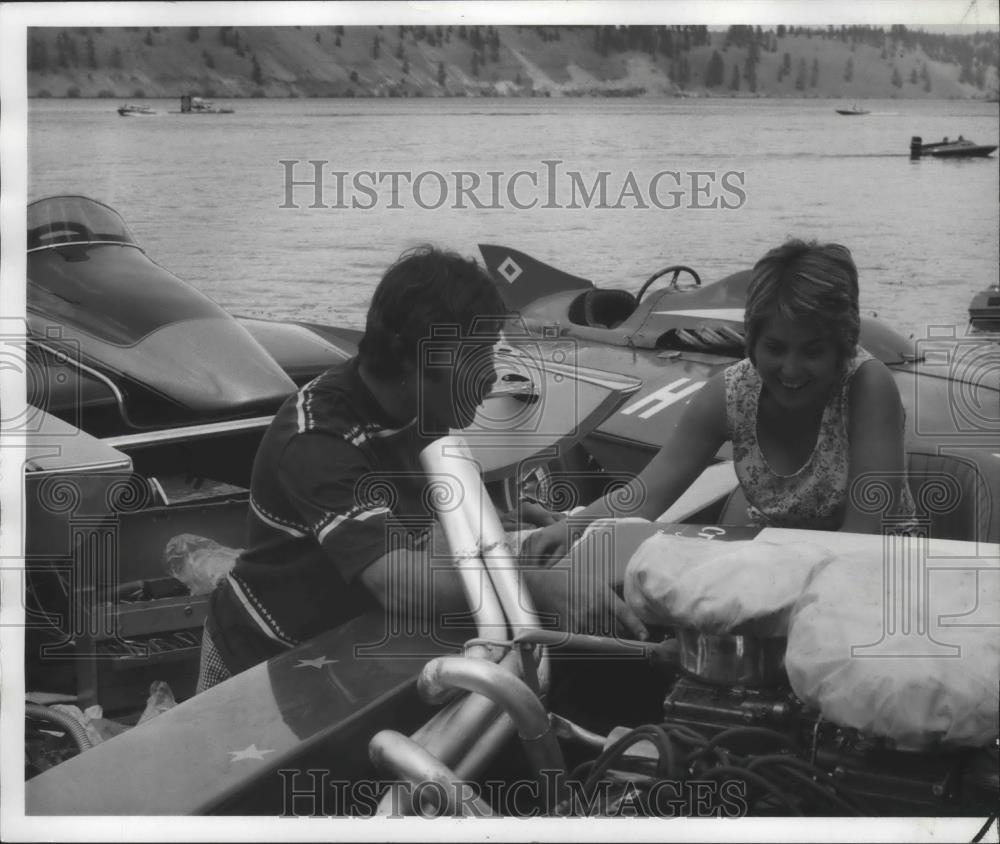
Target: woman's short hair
{"points": [[806, 281], [427, 292]]}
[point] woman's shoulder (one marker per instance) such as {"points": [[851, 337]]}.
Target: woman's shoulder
{"points": [[870, 380], [739, 372]]}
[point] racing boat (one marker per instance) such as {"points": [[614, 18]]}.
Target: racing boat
{"points": [[961, 148], [675, 335], [853, 111], [135, 111], [984, 311], [129, 450], [146, 403]]}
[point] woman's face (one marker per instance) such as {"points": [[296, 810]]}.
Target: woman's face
{"points": [[797, 363]]}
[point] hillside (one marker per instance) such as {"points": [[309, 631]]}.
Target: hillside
{"points": [[379, 61]]}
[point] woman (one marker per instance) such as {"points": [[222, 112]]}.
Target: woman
{"points": [[810, 415]]}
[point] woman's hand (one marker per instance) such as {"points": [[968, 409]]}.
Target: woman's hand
{"points": [[546, 544]]}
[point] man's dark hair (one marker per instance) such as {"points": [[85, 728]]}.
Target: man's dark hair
{"points": [[427, 288]]}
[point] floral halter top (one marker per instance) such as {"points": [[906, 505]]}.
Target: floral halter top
{"points": [[813, 497]]}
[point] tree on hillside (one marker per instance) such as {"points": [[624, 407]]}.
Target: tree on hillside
{"points": [[734, 84], [207, 57], [786, 64], [715, 71], [38, 54], [148, 40], [406, 65], [475, 63], [336, 41], [800, 80], [256, 74], [193, 34], [375, 47], [913, 76], [442, 74], [897, 80], [116, 58], [814, 76], [91, 53], [849, 69]]}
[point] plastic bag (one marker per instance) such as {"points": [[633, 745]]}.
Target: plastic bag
{"points": [[161, 699], [198, 562], [746, 587], [921, 689]]}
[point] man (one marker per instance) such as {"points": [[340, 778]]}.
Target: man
{"points": [[338, 471]]}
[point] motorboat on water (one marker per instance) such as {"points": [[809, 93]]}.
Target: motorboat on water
{"points": [[197, 105], [984, 311], [146, 402], [135, 111], [853, 111], [959, 148]]}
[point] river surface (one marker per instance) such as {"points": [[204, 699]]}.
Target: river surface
{"points": [[712, 183]]}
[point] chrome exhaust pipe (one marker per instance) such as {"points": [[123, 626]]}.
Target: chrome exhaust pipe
{"points": [[468, 732], [426, 776], [514, 696], [452, 496], [475, 523]]}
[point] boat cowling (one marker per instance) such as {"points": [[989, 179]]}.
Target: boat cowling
{"points": [[172, 353]]}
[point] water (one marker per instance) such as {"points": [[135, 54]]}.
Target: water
{"points": [[203, 194]]}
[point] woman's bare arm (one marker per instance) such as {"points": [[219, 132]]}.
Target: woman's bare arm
{"points": [[876, 437]]}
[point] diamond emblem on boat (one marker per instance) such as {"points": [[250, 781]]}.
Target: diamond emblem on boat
{"points": [[509, 270]]}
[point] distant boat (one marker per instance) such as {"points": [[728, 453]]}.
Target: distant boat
{"points": [[135, 111], [984, 311], [197, 105], [852, 111], [961, 148]]}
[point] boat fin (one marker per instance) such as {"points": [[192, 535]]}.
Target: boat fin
{"points": [[522, 279]]}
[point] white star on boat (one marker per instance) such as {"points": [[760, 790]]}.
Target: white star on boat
{"points": [[316, 662], [250, 752]]}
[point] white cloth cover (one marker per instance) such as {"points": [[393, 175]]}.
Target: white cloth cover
{"points": [[746, 587], [928, 694]]}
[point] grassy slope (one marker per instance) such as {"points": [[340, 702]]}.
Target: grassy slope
{"points": [[293, 63]]}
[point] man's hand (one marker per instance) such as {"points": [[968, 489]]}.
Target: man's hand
{"points": [[529, 514], [581, 601]]}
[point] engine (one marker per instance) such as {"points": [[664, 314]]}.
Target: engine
{"points": [[728, 751]]}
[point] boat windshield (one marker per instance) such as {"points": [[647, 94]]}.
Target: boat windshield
{"points": [[58, 220]]}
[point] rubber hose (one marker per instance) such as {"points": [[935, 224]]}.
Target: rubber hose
{"points": [[72, 726]]}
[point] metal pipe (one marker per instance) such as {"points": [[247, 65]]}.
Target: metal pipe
{"points": [[512, 694], [74, 729], [460, 725], [393, 751], [567, 729], [450, 461], [451, 499], [475, 760]]}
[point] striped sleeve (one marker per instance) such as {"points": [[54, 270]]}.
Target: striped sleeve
{"points": [[320, 476]]}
